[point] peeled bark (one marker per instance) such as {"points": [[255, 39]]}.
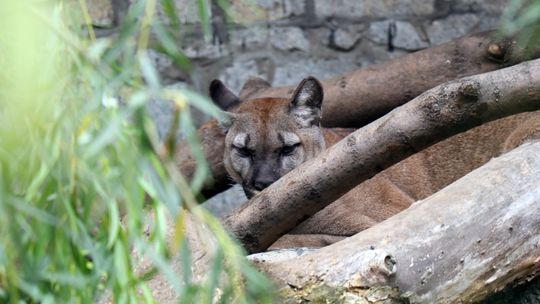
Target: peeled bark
{"points": [[356, 98], [436, 114], [460, 245]]}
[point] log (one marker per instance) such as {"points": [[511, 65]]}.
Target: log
{"points": [[355, 99], [359, 97], [460, 245], [414, 178], [436, 114]]}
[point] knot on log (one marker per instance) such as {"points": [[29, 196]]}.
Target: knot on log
{"points": [[497, 51], [468, 91], [374, 268]]}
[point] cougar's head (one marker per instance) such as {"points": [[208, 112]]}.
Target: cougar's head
{"points": [[268, 137]]}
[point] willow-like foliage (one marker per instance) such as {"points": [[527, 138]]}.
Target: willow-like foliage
{"points": [[84, 178]]}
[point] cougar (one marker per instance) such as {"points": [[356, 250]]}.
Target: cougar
{"points": [[268, 137]]}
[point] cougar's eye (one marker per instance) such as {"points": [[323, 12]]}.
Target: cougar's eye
{"points": [[288, 150], [243, 151]]}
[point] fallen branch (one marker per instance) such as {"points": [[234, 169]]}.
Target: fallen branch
{"points": [[436, 114], [361, 96], [465, 242], [414, 178], [355, 99]]}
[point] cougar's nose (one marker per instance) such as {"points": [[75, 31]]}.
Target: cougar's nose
{"points": [[264, 175], [262, 183]]}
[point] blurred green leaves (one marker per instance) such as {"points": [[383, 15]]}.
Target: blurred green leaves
{"points": [[521, 18], [84, 180]]}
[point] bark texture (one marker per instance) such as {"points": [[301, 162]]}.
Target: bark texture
{"points": [[356, 98], [352, 100], [436, 114], [460, 245]]}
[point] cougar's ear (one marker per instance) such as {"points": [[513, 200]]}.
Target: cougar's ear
{"points": [[253, 86], [222, 96], [306, 102]]}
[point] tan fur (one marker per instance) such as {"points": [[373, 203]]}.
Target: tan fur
{"points": [[390, 191], [412, 179]]}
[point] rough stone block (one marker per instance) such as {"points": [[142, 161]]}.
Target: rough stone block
{"points": [[488, 23], [454, 26], [491, 7], [406, 36], [250, 38], [277, 9], [186, 10], [236, 75], [198, 48], [288, 39], [224, 203], [245, 12], [365, 9], [100, 11], [292, 72], [346, 37]]}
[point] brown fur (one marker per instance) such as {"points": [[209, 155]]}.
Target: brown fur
{"points": [[393, 189], [412, 179]]}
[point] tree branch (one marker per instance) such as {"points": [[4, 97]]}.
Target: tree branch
{"points": [[357, 98], [462, 244]]}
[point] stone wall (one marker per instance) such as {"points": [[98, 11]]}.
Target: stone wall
{"points": [[285, 40]]}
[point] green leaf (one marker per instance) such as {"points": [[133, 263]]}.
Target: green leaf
{"points": [[121, 265], [170, 10], [36, 213], [38, 180], [149, 72], [203, 103], [203, 170], [203, 8], [168, 46], [114, 223], [214, 275]]}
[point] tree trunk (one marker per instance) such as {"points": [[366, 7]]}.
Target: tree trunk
{"points": [[359, 97], [460, 245], [436, 114]]}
